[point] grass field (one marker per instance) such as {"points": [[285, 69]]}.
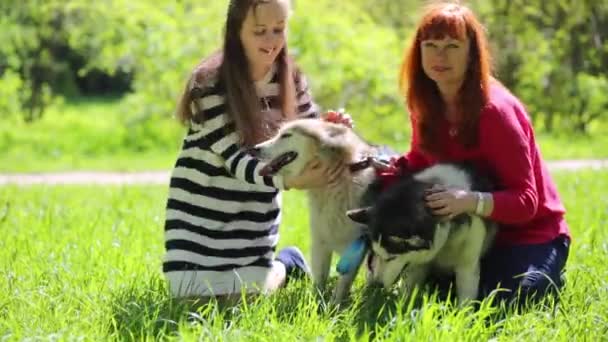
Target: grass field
{"points": [[89, 134], [83, 263], [104, 134]]}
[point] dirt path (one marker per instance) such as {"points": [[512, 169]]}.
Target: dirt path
{"points": [[162, 177]]}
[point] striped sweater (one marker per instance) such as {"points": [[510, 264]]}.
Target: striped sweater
{"points": [[221, 215]]}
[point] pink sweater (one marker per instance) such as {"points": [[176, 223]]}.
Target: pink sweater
{"points": [[527, 206]]}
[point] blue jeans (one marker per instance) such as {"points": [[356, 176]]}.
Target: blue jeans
{"points": [[524, 272]]}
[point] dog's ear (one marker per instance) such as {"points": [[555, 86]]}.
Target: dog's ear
{"points": [[359, 215]]}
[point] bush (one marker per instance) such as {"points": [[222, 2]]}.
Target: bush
{"points": [[350, 50], [350, 60]]}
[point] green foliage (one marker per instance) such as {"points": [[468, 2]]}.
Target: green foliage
{"points": [[365, 84], [400, 16], [554, 55], [10, 85], [549, 53], [160, 42], [30, 36], [165, 44]]}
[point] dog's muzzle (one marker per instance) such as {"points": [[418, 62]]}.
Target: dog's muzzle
{"points": [[278, 163]]}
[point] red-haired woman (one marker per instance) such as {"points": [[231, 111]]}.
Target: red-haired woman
{"points": [[459, 112]]}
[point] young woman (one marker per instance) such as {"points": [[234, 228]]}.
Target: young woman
{"points": [[459, 112], [222, 217]]}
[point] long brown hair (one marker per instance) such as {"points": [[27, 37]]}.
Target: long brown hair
{"points": [[243, 105], [422, 94]]}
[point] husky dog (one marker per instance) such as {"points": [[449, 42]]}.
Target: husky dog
{"points": [[408, 240], [296, 144]]}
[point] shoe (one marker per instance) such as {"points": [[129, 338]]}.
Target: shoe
{"points": [[295, 264]]}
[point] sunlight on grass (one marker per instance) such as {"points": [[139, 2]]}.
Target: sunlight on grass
{"points": [[102, 134], [93, 134], [83, 262], [574, 147]]}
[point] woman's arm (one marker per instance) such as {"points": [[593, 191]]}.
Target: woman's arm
{"points": [[215, 133], [507, 142]]}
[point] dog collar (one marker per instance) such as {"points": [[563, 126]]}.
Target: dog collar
{"points": [[360, 165]]}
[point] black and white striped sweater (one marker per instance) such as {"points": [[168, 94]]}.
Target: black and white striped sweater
{"points": [[221, 215]]}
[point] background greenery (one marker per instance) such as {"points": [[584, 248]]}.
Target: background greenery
{"points": [[84, 82]]}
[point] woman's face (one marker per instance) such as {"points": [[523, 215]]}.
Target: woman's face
{"points": [[263, 33], [445, 60]]}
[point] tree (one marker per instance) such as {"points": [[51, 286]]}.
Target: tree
{"points": [[554, 54], [32, 37]]}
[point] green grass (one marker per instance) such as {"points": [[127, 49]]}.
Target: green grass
{"points": [[83, 262], [90, 134], [104, 134], [559, 147]]}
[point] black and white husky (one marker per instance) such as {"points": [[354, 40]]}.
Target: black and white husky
{"points": [[408, 240]]}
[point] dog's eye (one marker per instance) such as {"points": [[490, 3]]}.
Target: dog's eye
{"points": [[285, 135]]}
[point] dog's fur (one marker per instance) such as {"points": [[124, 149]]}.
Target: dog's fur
{"points": [[408, 240], [331, 229]]}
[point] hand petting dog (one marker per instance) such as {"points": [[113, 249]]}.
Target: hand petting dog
{"points": [[450, 202], [339, 117], [445, 202]]}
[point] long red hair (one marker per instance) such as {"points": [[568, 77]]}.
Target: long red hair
{"points": [[423, 97]]}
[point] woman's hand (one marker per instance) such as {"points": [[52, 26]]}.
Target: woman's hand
{"points": [[339, 117], [316, 174], [450, 202]]}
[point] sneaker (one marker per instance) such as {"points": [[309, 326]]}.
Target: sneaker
{"points": [[295, 264]]}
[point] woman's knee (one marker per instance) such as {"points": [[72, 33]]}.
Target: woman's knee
{"points": [[525, 273], [529, 288]]}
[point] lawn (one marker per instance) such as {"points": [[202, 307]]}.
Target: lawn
{"points": [[83, 263], [104, 134], [89, 134]]}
